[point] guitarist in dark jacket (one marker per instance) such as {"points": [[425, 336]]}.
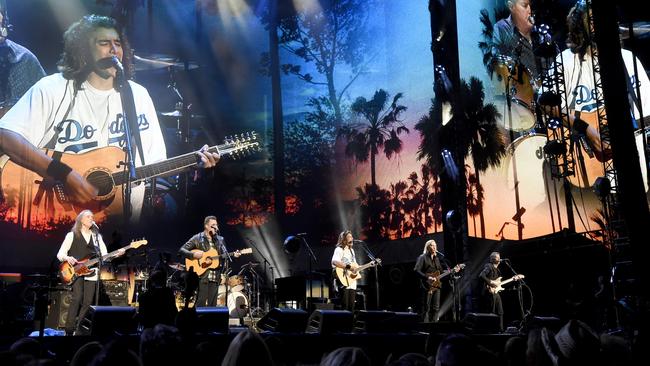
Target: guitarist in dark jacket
{"points": [[488, 275], [426, 266], [204, 241]]}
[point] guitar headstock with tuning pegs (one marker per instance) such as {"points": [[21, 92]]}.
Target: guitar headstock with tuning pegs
{"points": [[238, 146]]}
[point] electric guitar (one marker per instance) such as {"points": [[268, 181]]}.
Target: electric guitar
{"points": [[210, 260], [36, 202], [348, 277], [499, 286], [69, 273], [433, 286]]}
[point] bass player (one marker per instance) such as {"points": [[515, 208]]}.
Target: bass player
{"points": [[81, 242], [195, 248], [426, 267]]}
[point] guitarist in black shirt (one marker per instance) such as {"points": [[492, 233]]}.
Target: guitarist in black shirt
{"points": [[426, 267]]}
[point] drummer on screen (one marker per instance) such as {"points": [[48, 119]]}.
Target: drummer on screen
{"points": [[516, 67], [195, 248], [512, 36]]}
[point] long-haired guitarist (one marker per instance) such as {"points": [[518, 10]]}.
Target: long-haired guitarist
{"points": [[426, 267], [196, 248], [80, 109], [345, 258], [82, 241]]}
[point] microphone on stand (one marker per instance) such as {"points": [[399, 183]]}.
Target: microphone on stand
{"points": [[439, 253], [94, 226], [108, 62]]}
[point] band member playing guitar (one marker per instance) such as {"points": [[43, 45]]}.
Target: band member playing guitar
{"points": [[196, 248], [491, 277], [82, 241], [430, 271], [344, 258]]}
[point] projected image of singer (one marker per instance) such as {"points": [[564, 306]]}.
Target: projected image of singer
{"points": [[512, 36], [208, 255], [82, 242], [80, 110]]}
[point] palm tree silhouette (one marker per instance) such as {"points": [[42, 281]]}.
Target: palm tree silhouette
{"points": [[473, 126], [380, 130]]}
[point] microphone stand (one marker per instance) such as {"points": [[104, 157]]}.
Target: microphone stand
{"points": [[373, 258], [224, 269], [252, 243], [519, 294], [131, 136], [311, 258], [455, 309], [100, 263]]}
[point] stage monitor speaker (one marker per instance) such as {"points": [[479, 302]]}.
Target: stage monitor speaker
{"points": [[212, 319], [108, 320], [59, 305], [385, 322], [329, 322], [284, 320], [482, 322]]}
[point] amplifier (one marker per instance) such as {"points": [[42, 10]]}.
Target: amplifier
{"points": [[117, 292]]}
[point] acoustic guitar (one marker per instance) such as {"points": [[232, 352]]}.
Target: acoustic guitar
{"points": [[433, 286], [210, 260], [349, 277], [499, 286], [84, 267], [37, 202]]}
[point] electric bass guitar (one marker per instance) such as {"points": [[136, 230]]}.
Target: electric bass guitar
{"points": [[348, 277], [36, 202], [210, 260], [433, 286], [499, 284], [84, 267]]}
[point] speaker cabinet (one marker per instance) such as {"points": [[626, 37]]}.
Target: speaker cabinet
{"points": [[385, 322], [284, 320], [212, 319], [482, 322], [330, 321], [108, 320], [58, 312]]}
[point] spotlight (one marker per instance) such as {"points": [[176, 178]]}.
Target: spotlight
{"points": [[450, 165], [602, 187], [555, 148], [453, 220], [292, 244], [553, 123]]}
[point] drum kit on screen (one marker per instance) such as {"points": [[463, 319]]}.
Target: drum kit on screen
{"points": [[514, 96]]}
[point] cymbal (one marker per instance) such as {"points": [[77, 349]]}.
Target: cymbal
{"points": [[640, 29], [176, 266], [179, 114], [158, 61]]}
